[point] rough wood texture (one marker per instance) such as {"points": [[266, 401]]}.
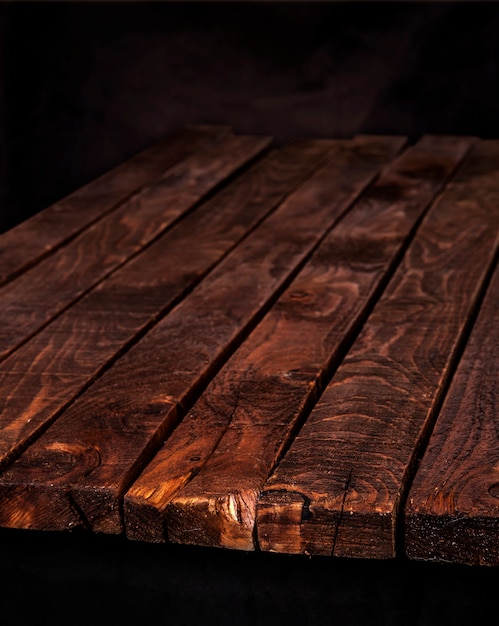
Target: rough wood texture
{"points": [[43, 376], [76, 473], [452, 509], [27, 243], [337, 490], [231, 439], [49, 287]]}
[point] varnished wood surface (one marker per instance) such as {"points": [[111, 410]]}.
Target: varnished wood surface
{"points": [[256, 358]]}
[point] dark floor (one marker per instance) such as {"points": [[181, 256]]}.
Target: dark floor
{"points": [[85, 85], [77, 581]]}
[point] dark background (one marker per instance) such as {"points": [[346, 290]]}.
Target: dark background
{"points": [[83, 86], [86, 85], [75, 580]]}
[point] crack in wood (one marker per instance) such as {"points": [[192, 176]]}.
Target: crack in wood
{"points": [[342, 509]]}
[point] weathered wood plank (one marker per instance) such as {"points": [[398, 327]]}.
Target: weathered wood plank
{"points": [[338, 488], [38, 295], [43, 376], [452, 512], [97, 447], [250, 410], [27, 243]]}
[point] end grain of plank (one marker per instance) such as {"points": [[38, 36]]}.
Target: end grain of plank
{"points": [[250, 410], [127, 413], [338, 488]]}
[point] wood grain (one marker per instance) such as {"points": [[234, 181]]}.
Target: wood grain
{"points": [[27, 243], [452, 509], [231, 439], [42, 292], [338, 488], [44, 375], [101, 442]]}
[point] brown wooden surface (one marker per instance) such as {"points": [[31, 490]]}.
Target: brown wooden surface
{"points": [[30, 241], [251, 408], [97, 446], [337, 490], [248, 350], [49, 287], [453, 507], [44, 375]]}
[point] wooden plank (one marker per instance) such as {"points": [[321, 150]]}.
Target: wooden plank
{"points": [[41, 293], [251, 409], [98, 446], [452, 509], [338, 488], [27, 243], [80, 343]]}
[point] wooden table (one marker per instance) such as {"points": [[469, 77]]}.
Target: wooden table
{"points": [[294, 349]]}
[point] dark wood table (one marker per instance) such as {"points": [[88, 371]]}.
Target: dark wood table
{"points": [[227, 344]]}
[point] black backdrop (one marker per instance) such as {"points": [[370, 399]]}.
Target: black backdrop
{"points": [[74, 580], [84, 86]]}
